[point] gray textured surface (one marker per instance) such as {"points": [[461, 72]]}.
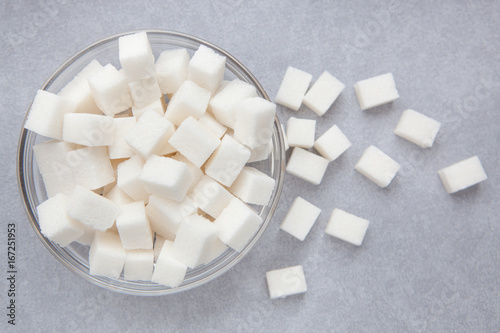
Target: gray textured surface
{"points": [[430, 261]]}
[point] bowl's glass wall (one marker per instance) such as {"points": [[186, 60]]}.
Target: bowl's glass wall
{"points": [[75, 256]]}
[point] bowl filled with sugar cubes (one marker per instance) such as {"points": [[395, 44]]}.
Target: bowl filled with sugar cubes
{"points": [[150, 162]]}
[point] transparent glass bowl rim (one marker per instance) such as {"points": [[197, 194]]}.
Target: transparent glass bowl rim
{"points": [[26, 186]]}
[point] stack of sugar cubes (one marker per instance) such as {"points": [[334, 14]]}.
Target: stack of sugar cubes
{"points": [[148, 163]]}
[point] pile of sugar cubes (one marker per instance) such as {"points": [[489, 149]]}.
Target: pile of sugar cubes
{"points": [[148, 164], [374, 164]]}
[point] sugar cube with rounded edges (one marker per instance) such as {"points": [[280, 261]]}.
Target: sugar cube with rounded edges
{"points": [[133, 227], [300, 132], [377, 166], [254, 122], [169, 271], [417, 128], [156, 105], [189, 100], [144, 91], [376, 91], [165, 215], [323, 93], [88, 129], [347, 227], [107, 255], [136, 56], [253, 186], [462, 175], [138, 265], [172, 69], [206, 68], [286, 282], [128, 178], [120, 148], [210, 196], [332, 143], [300, 218], [293, 88], [307, 166], [46, 114]]}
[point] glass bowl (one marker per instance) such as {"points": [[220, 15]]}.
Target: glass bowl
{"points": [[75, 256]]}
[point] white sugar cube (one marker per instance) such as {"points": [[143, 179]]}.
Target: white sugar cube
{"points": [[195, 237], [189, 100], [47, 114], [78, 89], [378, 167], [194, 141], [91, 167], [323, 93], [300, 132], [346, 226], [227, 161], [212, 124], [172, 69], [462, 175], [136, 56], [286, 282], [144, 91], [417, 128], [254, 122], [88, 235], [110, 90], [206, 68], [165, 215], [300, 218], [92, 209], [150, 134], [332, 143], [210, 196], [293, 88], [118, 196], [253, 186], [261, 153], [88, 129], [224, 103], [217, 250], [133, 227], [168, 270], [196, 172], [156, 105], [166, 177], [307, 166], [128, 179], [376, 91], [50, 154], [55, 223], [237, 224], [120, 148], [138, 265], [107, 255]]}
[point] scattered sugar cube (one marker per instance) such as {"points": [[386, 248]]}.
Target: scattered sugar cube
{"points": [[138, 265], [144, 91], [172, 70], [332, 143], [55, 223], [194, 141], [120, 148], [78, 89], [253, 186], [189, 100], [286, 282], [237, 224], [110, 90], [254, 122], [300, 132], [166, 177], [107, 255], [206, 68], [195, 237], [128, 178], [212, 124], [323, 93], [156, 105], [307, 166], [47, 114], [293, 88], [376, 91], [417, 128], [375, 165], [227, 161], [260, 153], [196, 172], [133, 227], [150, 134], [462, 175], [346, 226], [92, 209], [224, 103], [136, 56], [118, 196], [165, 215], [300, 218], [210, 196], [168, 270], [88, 129]]}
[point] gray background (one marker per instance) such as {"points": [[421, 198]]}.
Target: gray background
{"points": [[430, 261]]}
